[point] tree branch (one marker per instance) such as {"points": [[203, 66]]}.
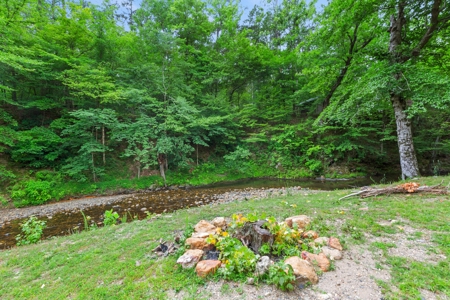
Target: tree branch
{"points": [[435, 11]]}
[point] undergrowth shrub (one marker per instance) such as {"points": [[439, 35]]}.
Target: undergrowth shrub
{"points": [[32, 230], [239, 260], [110, 218], [282, 276], [31, 192], [6, 175], [37, 191]]}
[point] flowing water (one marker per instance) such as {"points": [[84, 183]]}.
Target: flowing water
{"points": [[138, 206]]}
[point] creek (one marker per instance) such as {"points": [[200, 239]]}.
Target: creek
{"points": [[65, 217]]}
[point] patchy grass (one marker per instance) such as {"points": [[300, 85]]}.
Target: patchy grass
{"points": [[116, 262]]}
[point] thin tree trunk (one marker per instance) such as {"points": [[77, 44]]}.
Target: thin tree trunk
{"points": [[338, 82], [352, 50], [93, 167], [103, 143], [161, 162]]}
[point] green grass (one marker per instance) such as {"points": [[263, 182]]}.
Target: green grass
{"points": [[116, 262]]}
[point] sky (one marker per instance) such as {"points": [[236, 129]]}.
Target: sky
{"points": [[247, 5]]}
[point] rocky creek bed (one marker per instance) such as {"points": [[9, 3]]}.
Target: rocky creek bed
{"points": [[65, 217]]}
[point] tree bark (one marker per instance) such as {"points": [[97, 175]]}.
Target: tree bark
{"points": [[93, 167], [162, 163], [408, 159], [352, 50], [103, 143]]}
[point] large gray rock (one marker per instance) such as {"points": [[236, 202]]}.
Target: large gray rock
{"points": [[263, 265], [190, 258], [333, 254], [219, 222]]}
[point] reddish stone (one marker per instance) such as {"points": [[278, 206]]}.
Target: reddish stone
{"points": [[206, 267], [310, 234], [303, 270], [320, 260], [196, 243], [204, 226], [334, 243], [302, 221]]}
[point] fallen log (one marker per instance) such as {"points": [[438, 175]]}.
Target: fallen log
{"points": [[406, 188]]}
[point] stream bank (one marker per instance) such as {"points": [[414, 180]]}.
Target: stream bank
{"points": [[65, 217]]}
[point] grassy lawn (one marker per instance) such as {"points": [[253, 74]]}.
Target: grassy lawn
{"points": [[117, 263]]}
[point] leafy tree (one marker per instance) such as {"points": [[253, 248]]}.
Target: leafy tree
{"points": [[86, 134], [38, 147], [140, 136], [390, 71]]}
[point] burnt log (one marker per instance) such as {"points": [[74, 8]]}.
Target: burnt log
{"points": [[253, 235]]}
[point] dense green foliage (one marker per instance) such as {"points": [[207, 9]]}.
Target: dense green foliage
{"points": [[95, 92], [32, 230]]}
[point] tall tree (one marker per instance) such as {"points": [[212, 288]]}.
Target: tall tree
{"points": [[412, 26], [389, 68]]}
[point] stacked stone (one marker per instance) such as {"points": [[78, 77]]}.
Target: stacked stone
{"points": [[198, 246], [305, 267]]}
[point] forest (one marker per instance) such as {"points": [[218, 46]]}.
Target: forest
{"points": [[173, 90]]}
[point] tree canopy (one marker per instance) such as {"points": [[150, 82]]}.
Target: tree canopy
{"points": [[355, 82]]}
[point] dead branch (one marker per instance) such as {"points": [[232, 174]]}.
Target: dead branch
{"points": [[406, 188]]}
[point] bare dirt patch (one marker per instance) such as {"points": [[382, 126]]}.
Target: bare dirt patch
{"points": [[353, 278], [409, 243]]}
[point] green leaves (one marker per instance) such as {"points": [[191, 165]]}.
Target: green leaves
{"points": [[282, 276], [38, 147], [110, 218], [32, 230]]}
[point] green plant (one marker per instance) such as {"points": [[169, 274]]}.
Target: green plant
{"points": [[110, 218], [33, 192], [287, 241], [282, 276], [32, 230], [238, 159], [149, 215], [265, 249], [238, 259], [86, 220], [350, 228], [6, 175], [3, 200]]}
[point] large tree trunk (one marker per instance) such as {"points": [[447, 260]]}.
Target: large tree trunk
{"points": [[408, 160]]}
